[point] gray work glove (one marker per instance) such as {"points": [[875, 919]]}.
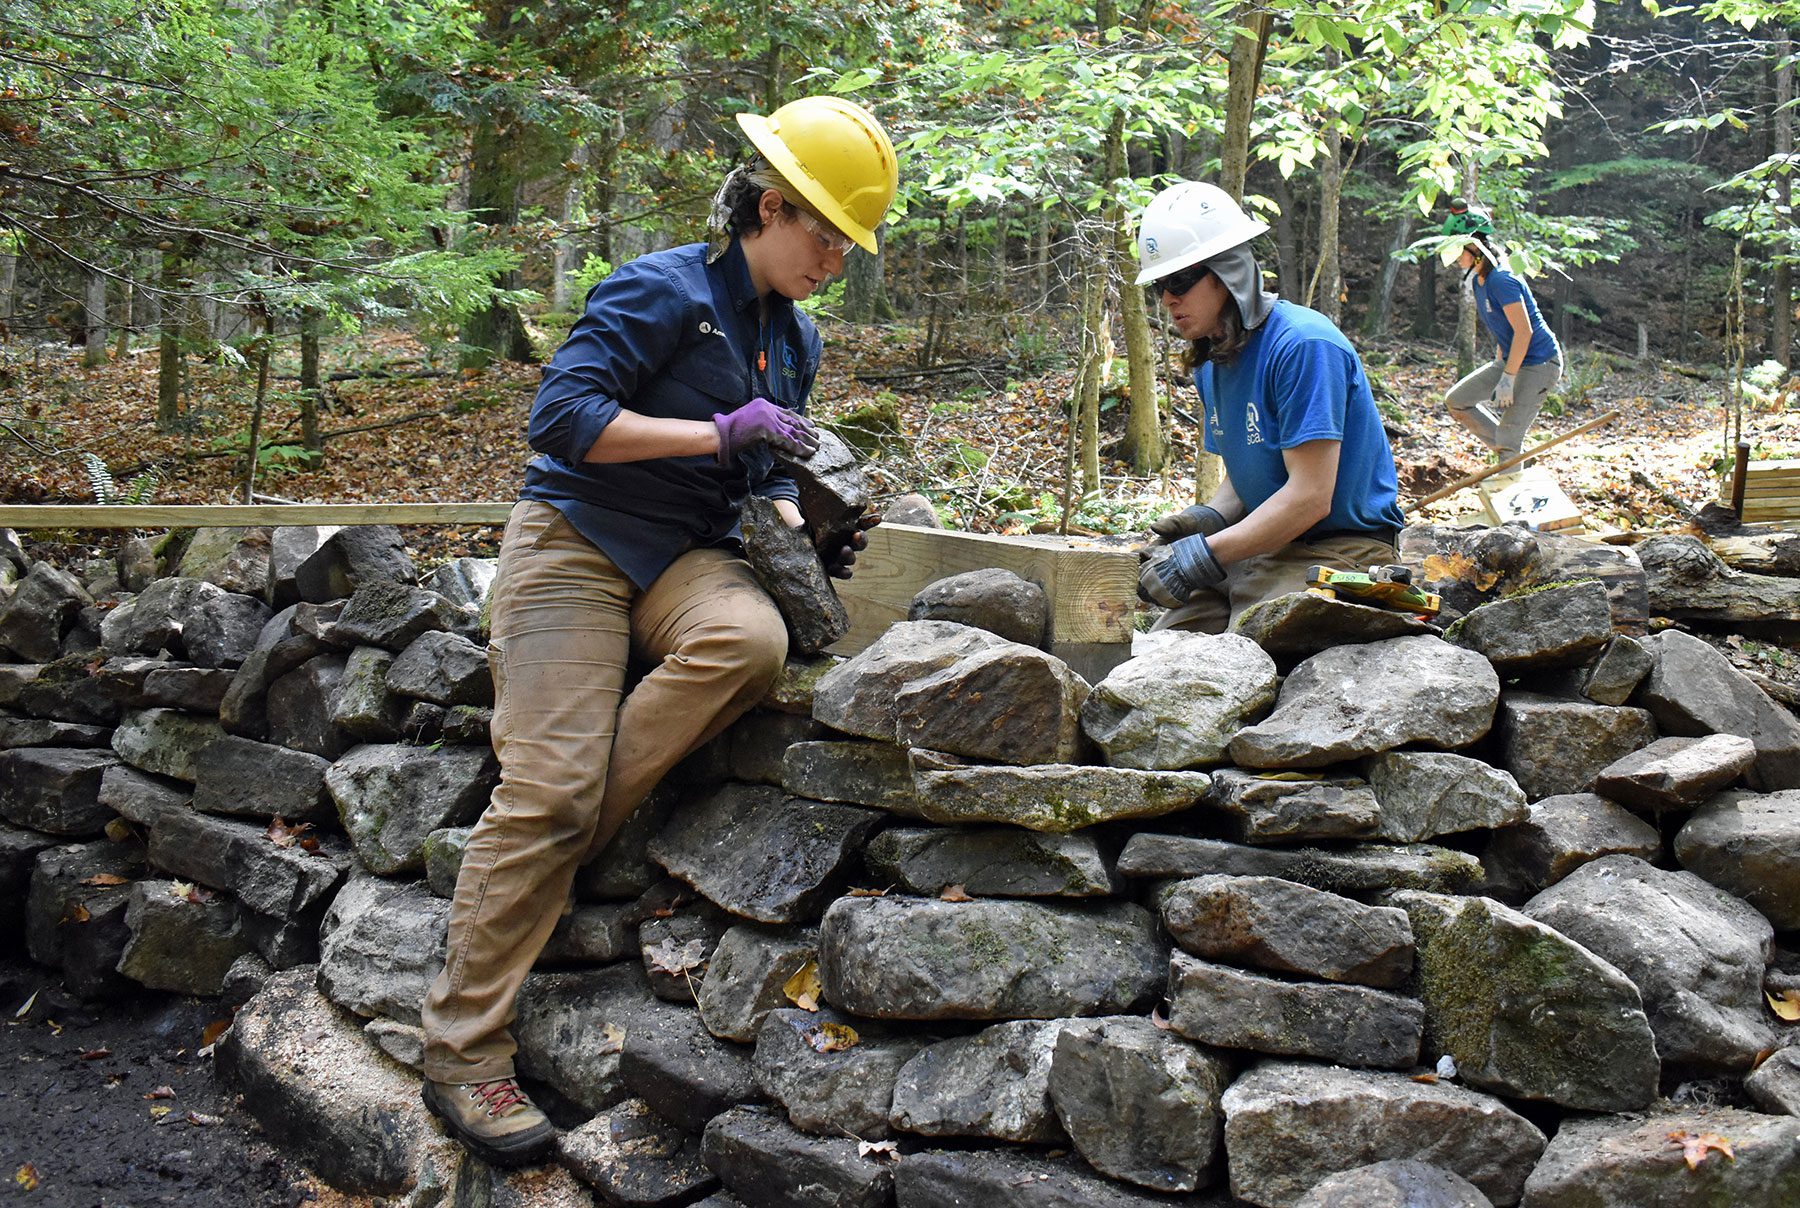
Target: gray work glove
{"points": [[1172, 579], [1200, 519], [1503, 391]]}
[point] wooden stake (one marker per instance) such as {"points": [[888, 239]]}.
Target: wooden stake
{"points": [[1514, 460]]}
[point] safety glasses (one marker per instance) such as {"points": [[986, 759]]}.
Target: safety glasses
{"points": [[1178, 282], [829, 240]]}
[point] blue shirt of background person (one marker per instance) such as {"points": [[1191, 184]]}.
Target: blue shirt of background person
{"points": [[673, 337], [1296, 380], [1491, 299]]}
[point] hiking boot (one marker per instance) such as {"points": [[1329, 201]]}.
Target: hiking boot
{"points": [[496, 1120]]}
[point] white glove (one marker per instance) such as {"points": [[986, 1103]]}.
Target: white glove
{"points": [[1503, 392]]}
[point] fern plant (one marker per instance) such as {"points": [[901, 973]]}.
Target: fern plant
{"points": [[139, 490]]}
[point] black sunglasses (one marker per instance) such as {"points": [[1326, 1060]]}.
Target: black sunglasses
{"points": [[1180, 281]]}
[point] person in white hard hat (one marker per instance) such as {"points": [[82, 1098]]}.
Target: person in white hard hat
{"points": [[653, 423], [1309, 475]]}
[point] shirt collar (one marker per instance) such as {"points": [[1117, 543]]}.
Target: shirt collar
{"points": [[739, 286]]}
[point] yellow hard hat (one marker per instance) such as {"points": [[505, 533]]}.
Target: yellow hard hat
{"points": [[837, 155]]}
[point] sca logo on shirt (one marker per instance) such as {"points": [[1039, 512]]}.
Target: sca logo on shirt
{"points": [[789, 367], [1252, 425]]}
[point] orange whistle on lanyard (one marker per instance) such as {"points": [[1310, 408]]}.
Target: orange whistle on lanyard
{"points": [[762, 361]]}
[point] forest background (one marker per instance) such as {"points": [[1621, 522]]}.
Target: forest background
{"points": [[257, 247]]}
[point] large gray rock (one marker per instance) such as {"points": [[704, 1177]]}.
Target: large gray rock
{"points": [[1560, 835], [833, 494], [857, 696], [1553, 627], [75, 914], [55, 790], [390, 615], [1352, 701], [636, 1159], [1363, 868], [1676, 773], [1395, 1184], [572, 1028], [833, 1074], [900, 958], [343, 560], [786, 563], [1012, 704], [166, 742], [993, 1084], [178, 943], [71, 690], [236, 559], [309, 1075], [41, 609], [189, 618], [271, 879], [1749, 845], [391, 797], [1180, 705], [1347, 1025], [1021, 1178], [444, 668], [1425, 794], [1774, 1085], [764, 1160], [1556, 746], [1693, 690], [1608, 679], [1695, 953], [1302, 623], [1641, 1162], [1052, 797], [993, 599], [381, 946], [364, 707], [746, 976], [19, 850], [234, 775], [994, 861], [1139, 1103], [1469, 566], [245, 707], [195, 689], [45, 732], [1288, 1125], [857, 773], [684, 1073], [1263, 808], [464, 582], [299, 708], [761, 854], [1290, 928], [1526, 1011]]}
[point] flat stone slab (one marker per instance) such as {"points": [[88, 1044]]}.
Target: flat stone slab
{"points": [[234, 775], [1527, 1012], [1395, 1184], [990, 861], [1559, 835], [55, 790], [1749, 845], [268, 877], [1301, 624], [1638, 1161], [1557, 746], [1180, 705], [1289, 808], [1424, 794], [1290, 1125], [877, 774], [1676, 773], [1055, 798], [764, 1160], [1347, 1025], [636, 1159], [1550, 627], [834, 1074], [857, 696], [909, 958], [1363, 868], [994, 1084], [1281, 925], [1693, 690], [762, 854], [166, 742], [1351, 701], [1021, 1178], [46, 732]]}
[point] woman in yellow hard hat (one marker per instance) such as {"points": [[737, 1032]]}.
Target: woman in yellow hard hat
{"points": [[652, 424]]}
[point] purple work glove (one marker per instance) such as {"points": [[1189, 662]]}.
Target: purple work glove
{"points": [[838, 550], [759, 420]]}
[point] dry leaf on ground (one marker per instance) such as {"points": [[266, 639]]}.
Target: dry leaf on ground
{"points": [[955, 893], [1694, 1146], [1786, 1004], [881, 1149], [832, 1037], [676, 959], [26, 1176], [803, 989], [104, 878]]}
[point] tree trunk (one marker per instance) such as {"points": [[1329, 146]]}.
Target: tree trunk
{"points": [[567, 258], [168, 370], [253, 450], [1466, 335], [1781, 285], [1243, 73], [94, 320], [1096, 359], [1424, 323], [865, 285], [496, 332], [1143, 420], [1040, 257], [9, 280], [1325, 294], [1381, 307], [122, 335], [310, 392], [1287, 243]]}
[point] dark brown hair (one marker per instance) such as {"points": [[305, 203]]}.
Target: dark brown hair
{"points": [[1233, 335]]}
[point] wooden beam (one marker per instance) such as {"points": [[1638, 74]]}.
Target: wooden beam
{"points": [[1093, 592], [153, 516]]}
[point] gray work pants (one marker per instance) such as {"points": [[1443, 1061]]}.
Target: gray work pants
{"points": [[1530, 388]]}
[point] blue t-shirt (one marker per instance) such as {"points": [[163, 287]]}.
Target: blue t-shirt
{"points": [[1298, 380], [1493, 296], [670, 336]]}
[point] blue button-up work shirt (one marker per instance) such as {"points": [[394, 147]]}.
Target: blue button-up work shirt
{"points": [[672, 337]]}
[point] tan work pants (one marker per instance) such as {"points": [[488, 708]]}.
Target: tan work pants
{"points": [[1266, 576], [574, 761]]}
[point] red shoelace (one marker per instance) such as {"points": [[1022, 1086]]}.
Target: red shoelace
{"points": [[498, 1095]]}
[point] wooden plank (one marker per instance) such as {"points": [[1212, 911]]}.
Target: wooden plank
{"points": [[1755, 511], [97, 516], [1093, 592]]}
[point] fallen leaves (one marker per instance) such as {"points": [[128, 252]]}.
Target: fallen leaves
{"points": [[76, 913], [161, 1092], [26, 1177], [96, 1054], [803, 989], [832, 1037], [955, 893], [676, 959], [284, 834], [866, 893], [1158, 1019], [212, 1031], [612, 1039], [104, 878], [1695, 1146], [889, 1150], [1786, 1004]]}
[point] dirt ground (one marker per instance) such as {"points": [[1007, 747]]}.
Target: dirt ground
{"points": [[111, 1106]]}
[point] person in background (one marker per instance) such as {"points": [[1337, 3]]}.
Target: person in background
{"points": [[1500, 400], [1309, 474], [652, 424]]}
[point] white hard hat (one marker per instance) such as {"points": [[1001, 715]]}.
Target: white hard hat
{"points": [[1189, 222]]}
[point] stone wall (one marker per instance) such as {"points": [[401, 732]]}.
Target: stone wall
{"points": [[1339, 909]]}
